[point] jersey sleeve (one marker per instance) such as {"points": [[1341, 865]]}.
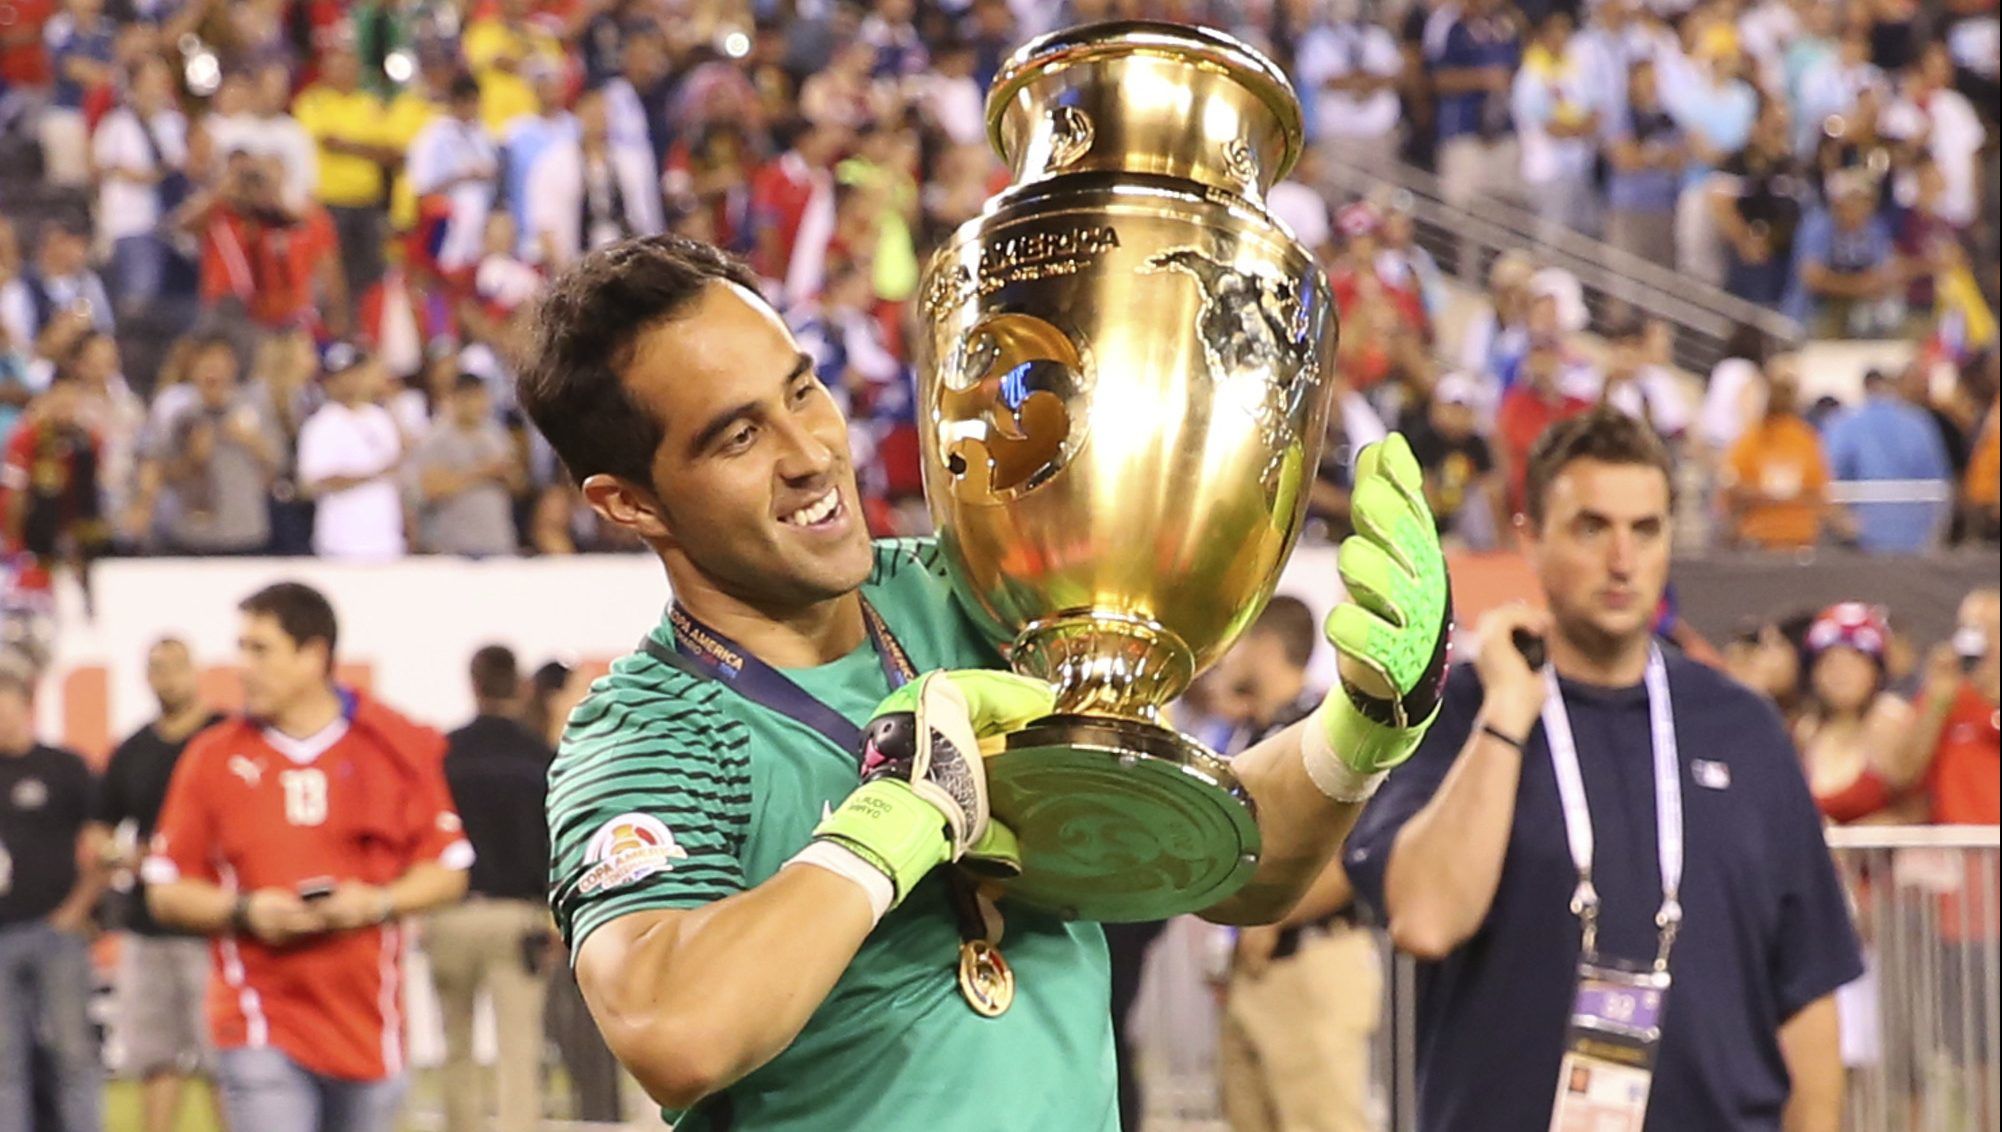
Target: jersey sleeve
{"points": [[183, 845], [649, 801]]}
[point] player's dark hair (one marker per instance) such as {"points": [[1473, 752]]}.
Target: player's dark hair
{"points": [[495, 674], [1289, 619], [1604, 434], [302, 612], [585, 334]]}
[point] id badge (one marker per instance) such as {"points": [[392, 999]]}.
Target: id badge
{"points": [[1609, 1050]]}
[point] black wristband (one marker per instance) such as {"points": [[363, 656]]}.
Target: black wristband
{"points": [[1491, 732], [239, 914]]}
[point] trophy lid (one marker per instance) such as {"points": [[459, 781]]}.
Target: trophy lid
{"points": [[1143, 96]]}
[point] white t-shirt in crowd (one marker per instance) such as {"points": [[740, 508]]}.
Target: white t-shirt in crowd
{"points": [[1302, 209], [958, 105], [1333, 51], [445, 151], [1734, 396], [1654, 395], [365, 521], [280, 136], [1954, 135], [127, 208]]}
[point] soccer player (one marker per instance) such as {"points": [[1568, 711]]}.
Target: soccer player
{"points": [[297, 835], [759, 919]]}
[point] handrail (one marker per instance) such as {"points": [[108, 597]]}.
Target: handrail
{"points": [[1914, 837], [1890, 491], [1705, 315]]}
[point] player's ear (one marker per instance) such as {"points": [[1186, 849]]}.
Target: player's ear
{"points": [[626, 505]]}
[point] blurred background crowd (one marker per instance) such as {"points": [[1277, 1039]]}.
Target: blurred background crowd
{"points": [[266, 265]]}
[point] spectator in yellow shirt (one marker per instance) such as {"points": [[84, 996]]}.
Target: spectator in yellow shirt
{"points": [[503, 49], [349, 124], [1983, 487]]}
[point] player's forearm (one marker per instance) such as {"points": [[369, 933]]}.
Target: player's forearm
{"points": [[1330, 893], [691, 1001], [191, 905], [424, 887], [1447, 861], [1810, 1042], [1300, 829], [1904, 762]]}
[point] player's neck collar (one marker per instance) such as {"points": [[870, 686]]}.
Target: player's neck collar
{"points": [[807, 638]]}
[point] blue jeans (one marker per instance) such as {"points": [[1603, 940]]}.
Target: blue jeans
{"points": [[264, 1089], [138, 271], [44, 999]]}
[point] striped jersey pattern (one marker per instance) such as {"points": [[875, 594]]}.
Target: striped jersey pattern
{"points": [[650, 742]]}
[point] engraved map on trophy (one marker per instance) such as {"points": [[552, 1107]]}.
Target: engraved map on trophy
{"points": [[1257, 339]]}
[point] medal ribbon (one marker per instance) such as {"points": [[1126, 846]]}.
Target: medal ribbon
{"points": [[708, 654]]}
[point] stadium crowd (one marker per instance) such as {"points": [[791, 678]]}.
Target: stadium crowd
{"points": [[265, 265]]}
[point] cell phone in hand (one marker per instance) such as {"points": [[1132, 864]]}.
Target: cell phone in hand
{"points": [[315, 888]]}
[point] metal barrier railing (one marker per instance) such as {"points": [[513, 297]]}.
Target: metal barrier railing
{"points": [[1470, 236], [1936, 495], [1920, 1031]]}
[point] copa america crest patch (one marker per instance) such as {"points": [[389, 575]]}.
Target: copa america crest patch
{"points": [[628, 849]]}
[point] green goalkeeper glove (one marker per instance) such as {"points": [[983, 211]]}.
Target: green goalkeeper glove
{"points": [[1392, 632], [923, 798]]}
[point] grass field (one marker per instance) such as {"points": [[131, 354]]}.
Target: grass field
{"points": [[121, 1109], [122, 1112]]}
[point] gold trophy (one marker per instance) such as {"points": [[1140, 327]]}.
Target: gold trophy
{"points": [[1121, 406]]}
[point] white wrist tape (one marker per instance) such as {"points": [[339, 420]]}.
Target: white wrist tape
{"points": [[845, 862], [1333, 777]]}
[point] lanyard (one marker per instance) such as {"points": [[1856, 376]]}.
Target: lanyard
{"points": [[707, 654], [1578, 817]]}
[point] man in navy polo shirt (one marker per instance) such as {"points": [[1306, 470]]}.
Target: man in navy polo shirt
{"points": [[1725, 1018]]}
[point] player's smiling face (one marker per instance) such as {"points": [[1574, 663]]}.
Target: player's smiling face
{"points": [[753, 472]]}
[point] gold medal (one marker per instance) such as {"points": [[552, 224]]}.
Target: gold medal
{"points": [[985, 979]]}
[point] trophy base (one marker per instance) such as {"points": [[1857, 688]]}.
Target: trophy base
{"points": [[1120, 820]]}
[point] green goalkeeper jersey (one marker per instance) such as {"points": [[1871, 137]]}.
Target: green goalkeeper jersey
{"points": [[672, 791]]}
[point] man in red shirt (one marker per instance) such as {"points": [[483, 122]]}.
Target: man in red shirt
{"points": [[258, 253], [298, 835], [1953, 752], [1959, 722], [1532, 405], [50, 478]]}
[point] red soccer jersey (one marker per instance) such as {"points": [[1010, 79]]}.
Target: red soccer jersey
{"points": [[1964, 783], [1965, 777], [250, 808]]}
